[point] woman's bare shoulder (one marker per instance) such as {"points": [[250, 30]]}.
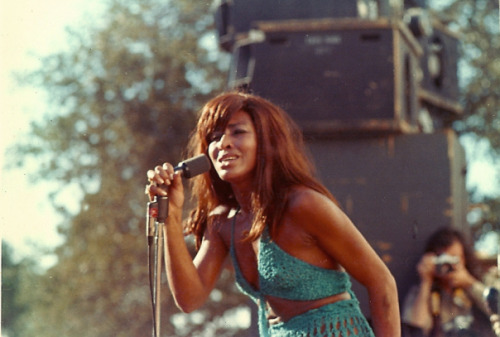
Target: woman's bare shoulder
{"points": [[313, 211], [305, 199]]}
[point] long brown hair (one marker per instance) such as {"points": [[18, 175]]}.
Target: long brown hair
{"points": [[282, 163]]}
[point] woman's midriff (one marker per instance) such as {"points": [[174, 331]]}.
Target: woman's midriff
{"points": [[282, 310]]}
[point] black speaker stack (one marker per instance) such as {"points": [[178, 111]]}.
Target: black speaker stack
{"points": [[344, 66], [374, 87], [334, 75], [398, 190]]}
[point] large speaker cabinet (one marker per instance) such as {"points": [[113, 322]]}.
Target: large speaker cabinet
{"points": [[334, 75], [397, 190], [234, 18], [440, 91]]}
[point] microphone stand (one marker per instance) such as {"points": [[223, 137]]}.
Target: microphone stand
{"points": [[157, 213]]}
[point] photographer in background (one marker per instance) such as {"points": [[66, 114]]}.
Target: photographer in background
{"points": [[446, 300]]}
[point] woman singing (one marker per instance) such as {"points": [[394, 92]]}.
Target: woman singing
{"points": [[292, 247]]}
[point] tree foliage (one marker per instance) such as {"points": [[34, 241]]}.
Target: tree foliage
{"points": [[125, 97], [14, 276], [478, 23], [479, 28]]}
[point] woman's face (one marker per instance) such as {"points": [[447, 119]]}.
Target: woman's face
{"points": [[233, 151]]}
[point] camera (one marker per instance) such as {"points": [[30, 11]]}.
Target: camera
{"points": [[445, 264]]}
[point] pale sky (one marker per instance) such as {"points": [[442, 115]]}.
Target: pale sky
{"points": [[32, 27]]}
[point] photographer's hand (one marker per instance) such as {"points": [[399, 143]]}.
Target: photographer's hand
{"points": [[460, 277], [426, 268]]}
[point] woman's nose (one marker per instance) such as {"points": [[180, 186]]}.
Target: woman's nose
{"points": [[225, 141]]}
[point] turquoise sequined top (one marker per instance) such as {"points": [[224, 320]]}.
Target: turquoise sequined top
{"points": [[285, 276]]}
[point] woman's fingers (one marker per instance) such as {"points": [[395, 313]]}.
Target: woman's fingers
{"points": [[159, 178]]}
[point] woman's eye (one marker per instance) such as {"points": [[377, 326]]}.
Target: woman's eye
{"points": [[215, 137]]}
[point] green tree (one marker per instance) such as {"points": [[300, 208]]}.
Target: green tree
{"points": [[125, 98], [478, 23], [14, 274]]}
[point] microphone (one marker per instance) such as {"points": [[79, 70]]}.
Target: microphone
{"points": [[190, 168], [158, 209], [193, 166]]}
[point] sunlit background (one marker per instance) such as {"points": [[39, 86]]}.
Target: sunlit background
{"points": [[31, 29]]}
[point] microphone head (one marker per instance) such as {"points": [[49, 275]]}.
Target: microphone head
{"points": [[193, 166]]}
